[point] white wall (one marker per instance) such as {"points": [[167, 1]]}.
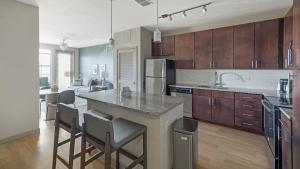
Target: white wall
{"points": [[19, 46], [258, 79]]}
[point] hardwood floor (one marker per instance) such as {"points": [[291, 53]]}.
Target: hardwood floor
{"points": [[226, 148], [219, 148]]}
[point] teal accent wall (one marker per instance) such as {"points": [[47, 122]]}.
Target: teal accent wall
{"points": [[100, 54]]}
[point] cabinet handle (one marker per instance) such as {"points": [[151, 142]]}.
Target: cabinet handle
{"points": [[247, 124], [249, 115], [209, 101], [210, 64], [252, 64], [245, 97], [256, 64], [246, 105], [213, 101]]}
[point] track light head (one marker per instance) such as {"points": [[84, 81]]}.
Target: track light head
{"points": [[184, 15], [204, 9], [170, 17]]}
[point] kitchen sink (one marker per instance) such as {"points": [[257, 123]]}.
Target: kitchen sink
{"points": [[212, 87]]}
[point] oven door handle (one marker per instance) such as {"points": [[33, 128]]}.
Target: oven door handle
{"points": [[266, 107]]}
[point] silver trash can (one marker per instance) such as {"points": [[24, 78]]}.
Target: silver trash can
{"points": [[185, 143]]}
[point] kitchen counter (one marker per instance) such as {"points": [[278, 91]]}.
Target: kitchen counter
{"points": [[287, 112], [264, 92], [153, 105], [156, 112]]}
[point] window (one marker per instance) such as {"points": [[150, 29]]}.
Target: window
{"points": [[45, 63]]}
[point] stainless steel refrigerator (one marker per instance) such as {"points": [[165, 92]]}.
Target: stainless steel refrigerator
{"points": [[159, 74]]}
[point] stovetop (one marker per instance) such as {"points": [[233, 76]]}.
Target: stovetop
{"points": [[281, 101]]}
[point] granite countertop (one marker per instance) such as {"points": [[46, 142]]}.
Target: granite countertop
{"points": [[264, 92], [154, 105], [287, 112]]}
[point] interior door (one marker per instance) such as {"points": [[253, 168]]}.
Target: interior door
{"points": [[127, 68]]}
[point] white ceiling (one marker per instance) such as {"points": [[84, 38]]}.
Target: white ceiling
{"points": [[86, 22]]}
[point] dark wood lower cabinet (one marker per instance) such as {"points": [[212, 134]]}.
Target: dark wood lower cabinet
{"points": [[286, 142], [238, 110], [223, 111], [202, 107]]}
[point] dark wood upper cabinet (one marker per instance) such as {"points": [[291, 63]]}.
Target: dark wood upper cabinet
{"points": [[156, 49], [296, 35], [244, 46], [268, 44], [185, 51], [165, 48], [203, 49], [223, 48], [288, 40], [168, 46]]}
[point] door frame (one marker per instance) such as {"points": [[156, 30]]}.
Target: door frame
{"points": [[135, 49]]}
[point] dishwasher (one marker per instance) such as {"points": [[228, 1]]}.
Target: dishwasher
{"points": [[185, 93]]}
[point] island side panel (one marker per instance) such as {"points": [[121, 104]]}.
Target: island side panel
{"points": [[158, 129], [166, 135]]}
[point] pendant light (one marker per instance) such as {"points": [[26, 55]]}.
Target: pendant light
{"points": [[63, 46], [156, 33], [111, 39]]}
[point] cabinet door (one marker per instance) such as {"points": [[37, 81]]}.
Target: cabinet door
{"points": [[244, 46], [203, 49], [296, 36], [267, 45], [168, 46], [286, 147], [223, 111], [156, 49], [184, 51], [288, 39], [223, 48], [202, 107]]}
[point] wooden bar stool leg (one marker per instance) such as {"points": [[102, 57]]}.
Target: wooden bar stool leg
{"points": [[107, 152], [145, 149], [56, 135], [117, 159], [72, 145], [83, 147]]}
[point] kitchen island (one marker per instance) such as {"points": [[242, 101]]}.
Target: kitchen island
{"points": [[154, 111]]}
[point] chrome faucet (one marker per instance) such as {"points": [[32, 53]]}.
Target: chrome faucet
{"points": [[221, 84]]}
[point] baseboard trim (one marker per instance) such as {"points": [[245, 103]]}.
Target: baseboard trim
{"points": [[18, 136]]}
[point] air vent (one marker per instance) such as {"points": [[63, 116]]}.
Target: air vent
{"points": [[144, 2]]}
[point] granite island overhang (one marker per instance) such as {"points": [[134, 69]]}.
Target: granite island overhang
{"points": [[157, 112]]}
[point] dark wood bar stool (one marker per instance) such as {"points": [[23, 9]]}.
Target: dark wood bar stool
{"points": [[70, 120], [110, 136]]}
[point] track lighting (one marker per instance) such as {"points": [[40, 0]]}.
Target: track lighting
{"points": [[184, 14], [204, 9]]}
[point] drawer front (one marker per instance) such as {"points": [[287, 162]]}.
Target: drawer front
{"points": [[248, 114], [248, 124], [200, 92], [248, 97], [247, 105], [221, 94]]}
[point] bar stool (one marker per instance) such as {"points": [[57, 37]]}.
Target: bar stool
{"points": [[109, 136], [70, 120]]}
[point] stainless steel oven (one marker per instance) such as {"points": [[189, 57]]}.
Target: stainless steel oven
{"points": [[271, 130]]}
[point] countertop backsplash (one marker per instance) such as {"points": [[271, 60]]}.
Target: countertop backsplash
{"points": [[257, 79]]}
